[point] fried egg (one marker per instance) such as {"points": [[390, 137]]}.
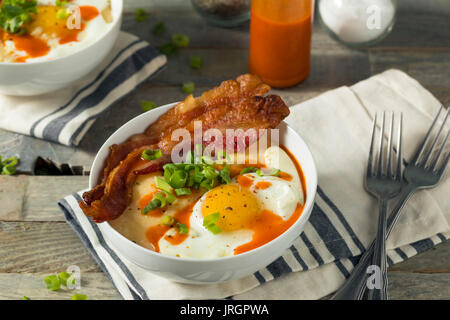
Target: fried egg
{"points": [[253, 210], [48, 35]]}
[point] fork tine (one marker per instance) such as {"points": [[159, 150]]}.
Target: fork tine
{"points": [[389, 148], [399, 148], [444, 164], [435, 140], [369, 161], [380, 151], [433, 165], [422, 146]]}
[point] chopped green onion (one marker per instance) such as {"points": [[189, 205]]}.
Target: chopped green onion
{"points": [[211, 218], [183, 191], [8, 166], [14, 14], [167, 220], [209, 172], [207, 159], [272, 172], [79, 296], [182, 228], [248, 169], [63, 277], [208, 184], [62, 14], [61, 3], [148, 105], [169, 197], [225, 175], [158, 28], [154, 204], [53, 283], [180, 40], [163, 185], [178, 179], [223, 157], [151, 154], [25, 298], [141, 15], [189, 157], [196, 62], [162, 199], [167, 48], [214, 229], [188, 87], [209, 222]]}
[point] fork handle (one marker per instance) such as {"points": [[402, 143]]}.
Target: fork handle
{"points": [[379, 292], [355, 286]]}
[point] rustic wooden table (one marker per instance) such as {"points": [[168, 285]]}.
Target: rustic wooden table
{"points": [[35, 240]]}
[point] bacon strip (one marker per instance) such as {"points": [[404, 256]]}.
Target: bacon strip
{"points": [[236, 104]]}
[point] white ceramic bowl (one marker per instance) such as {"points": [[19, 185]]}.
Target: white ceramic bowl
{"points": [[34, 78], [202, 271]]}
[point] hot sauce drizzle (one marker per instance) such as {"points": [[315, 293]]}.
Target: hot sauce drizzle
{"points": [[155, 233]]}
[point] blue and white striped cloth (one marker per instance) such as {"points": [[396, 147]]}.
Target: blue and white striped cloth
{"points": [[65, 116], [336, 127]]}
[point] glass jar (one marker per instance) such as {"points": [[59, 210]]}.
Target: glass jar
{"points": [[358, 23], [223, 13], [280, 41]]}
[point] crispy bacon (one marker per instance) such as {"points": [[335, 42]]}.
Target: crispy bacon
{"points": [[235, 104]]}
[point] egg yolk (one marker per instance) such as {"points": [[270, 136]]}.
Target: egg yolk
{"points": [[238, 207]]}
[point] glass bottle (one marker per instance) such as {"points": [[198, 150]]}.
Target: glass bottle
{"points": [[280, 40]]}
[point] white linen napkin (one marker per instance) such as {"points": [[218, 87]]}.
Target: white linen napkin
{"points": [[64, 116], [336, 126]]}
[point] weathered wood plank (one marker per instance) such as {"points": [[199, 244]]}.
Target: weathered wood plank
{"points": [[12, 194], [435, 260], [41, 247], [431, 69], [13, 286], [418, 286], [327, 70], [43, 193], [34, 198]]}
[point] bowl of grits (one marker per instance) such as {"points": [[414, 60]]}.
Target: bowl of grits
{"points": [[46, 45], [225, 231]]}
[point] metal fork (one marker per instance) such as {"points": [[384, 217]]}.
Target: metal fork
{"points": [[419, 175], [384, 184]]}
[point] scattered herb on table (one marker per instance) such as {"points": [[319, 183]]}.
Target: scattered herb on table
{"points": [[141, 15], [196, 61], [148, 105], [180, 40], [52, 282], [79, 296], [167, 48], [158, 28], [188, 87], [8, 166], [25, 298]]}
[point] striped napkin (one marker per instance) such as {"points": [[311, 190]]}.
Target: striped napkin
{"points": [[65, 116], [336, 126]]}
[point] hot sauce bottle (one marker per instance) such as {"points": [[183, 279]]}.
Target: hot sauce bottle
{"points": [[280, 40]]}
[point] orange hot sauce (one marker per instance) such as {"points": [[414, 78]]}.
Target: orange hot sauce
{"points": [[280, 40]]}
